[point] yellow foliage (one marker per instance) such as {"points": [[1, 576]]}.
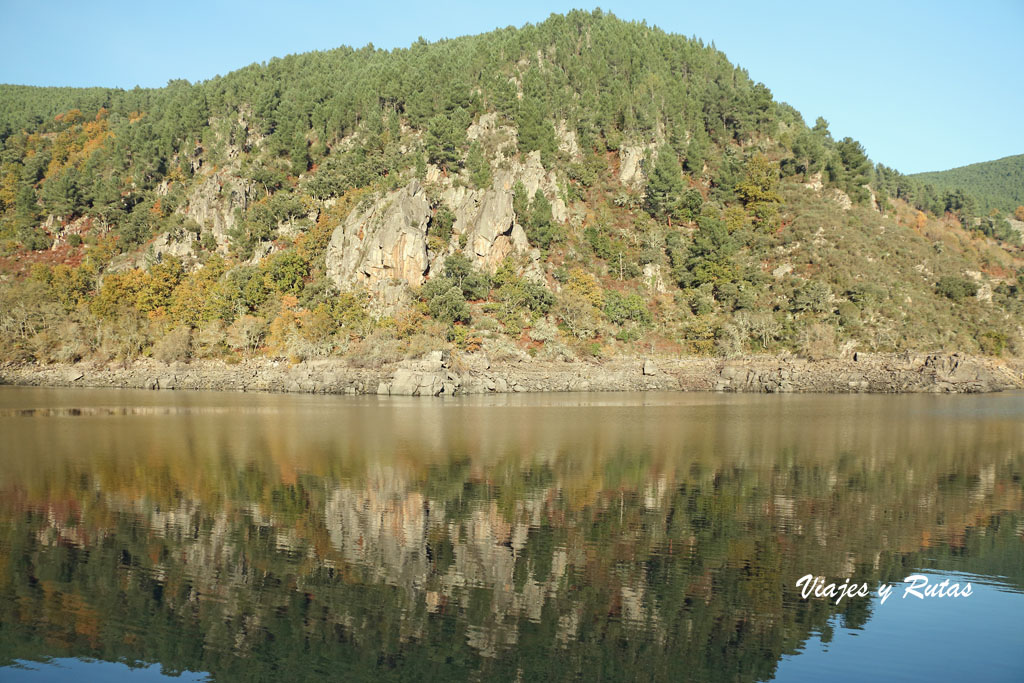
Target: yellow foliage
{"points": [[920, 220], [586, 285], [8, 185], [74, 145], [290, 319], [118, 290]]}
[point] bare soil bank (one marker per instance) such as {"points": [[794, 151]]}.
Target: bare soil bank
{"points": [[437, 374]]}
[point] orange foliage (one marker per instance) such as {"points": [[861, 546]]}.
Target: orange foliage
{"points": [[9, 178], [920, 220], [70, 117], [74, 145], [290, 319]]}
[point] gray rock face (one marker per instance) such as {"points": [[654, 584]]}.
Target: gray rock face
{"points": [[880, 373], [630, 162], [493, 233], [183, 247], [387, 242], [385, 246], [428, 376], [213, 202]]}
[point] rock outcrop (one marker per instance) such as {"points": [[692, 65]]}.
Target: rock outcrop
{"points": [[385, 243], [631, 165], [212, 204], [870, 373], [428, 376], [385, 246]]}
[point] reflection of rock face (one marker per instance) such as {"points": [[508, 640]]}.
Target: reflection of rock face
{"points": [[385, 529], [381, 528], [455, 553]]}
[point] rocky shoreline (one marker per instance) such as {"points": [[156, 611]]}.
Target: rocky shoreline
{"points": [[439, 374]]}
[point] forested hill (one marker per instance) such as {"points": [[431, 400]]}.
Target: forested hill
{"points": [[584, 186], [995, 184]]}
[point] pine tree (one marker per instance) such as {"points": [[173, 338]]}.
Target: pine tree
{"points": [[665, 186], [479, 167], [445, 136], [536, 131]]}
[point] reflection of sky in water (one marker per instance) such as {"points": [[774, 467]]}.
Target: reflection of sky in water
{"points": [[90, 671], [979, 637]]}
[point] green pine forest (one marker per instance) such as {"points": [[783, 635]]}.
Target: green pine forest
{"points": [[993, 185], [750, 230]]}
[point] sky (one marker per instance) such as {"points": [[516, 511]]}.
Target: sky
{"points": [[922, 85]]}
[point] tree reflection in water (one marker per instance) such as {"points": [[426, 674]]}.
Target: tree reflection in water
{"points": [[558, 537]]}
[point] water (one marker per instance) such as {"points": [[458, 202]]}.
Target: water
{"points": [[522, 537]]}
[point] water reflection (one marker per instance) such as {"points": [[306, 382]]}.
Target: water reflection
{"points": [[650, 537]]}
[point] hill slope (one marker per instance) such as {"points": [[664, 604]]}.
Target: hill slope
{"points": [[995, 184], [585, 186]]}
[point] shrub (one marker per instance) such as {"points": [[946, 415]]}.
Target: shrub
{"points": [[448, 305], [473, 283], [818, 341], [175, 346], [629, 308], [441, 224], [955, 288], [812, 296], [992, 343]]}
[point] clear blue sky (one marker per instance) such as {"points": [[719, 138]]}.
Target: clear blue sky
{"points": [[923, 85]]}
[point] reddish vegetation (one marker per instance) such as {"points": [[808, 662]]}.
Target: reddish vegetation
{"points": [[21, 264]]}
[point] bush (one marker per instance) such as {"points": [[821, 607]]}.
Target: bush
{"points": [[175, 346], [992, 343], [955, 288], [473, 283], [441, 224], [818, 341], [448, 305], [812, 296], [849, 314], [247, 333]]}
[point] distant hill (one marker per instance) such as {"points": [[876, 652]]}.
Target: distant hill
{"points": [[995, 184]]}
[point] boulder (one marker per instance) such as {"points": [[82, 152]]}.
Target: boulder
{"points": [[426, 376]]}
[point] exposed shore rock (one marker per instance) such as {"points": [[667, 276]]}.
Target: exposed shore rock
{"points": [[429, 376], [439, 374]]}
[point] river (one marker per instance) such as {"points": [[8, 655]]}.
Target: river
{"points": [[603, 537]]}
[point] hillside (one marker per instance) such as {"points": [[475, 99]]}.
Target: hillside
{"points": [[584, 187], [995, 184]]}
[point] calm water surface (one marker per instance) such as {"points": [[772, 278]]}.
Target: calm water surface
{"points": [[541, 537]]}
